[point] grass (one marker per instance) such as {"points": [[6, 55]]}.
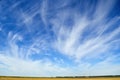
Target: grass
{"points": [[38, 78]]}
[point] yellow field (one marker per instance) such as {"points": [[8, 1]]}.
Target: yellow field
{"points": [[14, 78]]}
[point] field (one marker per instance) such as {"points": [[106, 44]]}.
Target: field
{"points": [[30, 78]]}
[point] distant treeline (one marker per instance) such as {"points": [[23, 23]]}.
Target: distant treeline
{"points": [[87, 76]]}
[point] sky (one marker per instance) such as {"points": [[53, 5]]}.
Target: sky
{"points": [[59, 37]]}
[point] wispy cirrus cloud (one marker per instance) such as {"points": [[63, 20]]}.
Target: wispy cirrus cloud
{"points": [[40, 40], [86, 35], [17, 67]]}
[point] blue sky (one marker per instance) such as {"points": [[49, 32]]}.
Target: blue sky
{"points": [[59, 37]]}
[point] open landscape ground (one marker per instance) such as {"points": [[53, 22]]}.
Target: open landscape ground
{"points": [[30, 78]]}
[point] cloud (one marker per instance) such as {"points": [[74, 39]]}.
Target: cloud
{"points": [[104, 10], [41, 36], [43, 12], [16, 66], [72, 42], [106, 67]]}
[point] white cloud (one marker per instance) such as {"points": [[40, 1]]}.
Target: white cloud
{"points": [[43, 12], [106, 67], [101, 12], [20, 67], [69, 39]]}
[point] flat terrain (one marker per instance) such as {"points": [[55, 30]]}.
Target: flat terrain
{"points": [[98, 78]]}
